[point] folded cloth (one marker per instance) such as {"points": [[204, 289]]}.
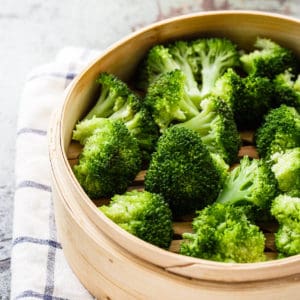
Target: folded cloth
{"points": [[38, 266]]}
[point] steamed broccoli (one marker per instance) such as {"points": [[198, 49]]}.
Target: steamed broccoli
{"points": [[183, 171], [286, 167], [286, 210], [279, 131], [118, 102], [251, 183], [217, 128], [109, 161], [268, 59], [250, 98], [223, 233], [162, 59], [144, 214], [287, 89], [213, 57], [168, 101]]}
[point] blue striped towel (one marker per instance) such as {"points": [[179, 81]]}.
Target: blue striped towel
{"points": [[38, 266]]}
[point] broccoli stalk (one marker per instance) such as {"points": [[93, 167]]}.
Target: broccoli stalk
{"points": [[213, 56], [223, 233], [143, 214], [216, 126], [252, 182]]}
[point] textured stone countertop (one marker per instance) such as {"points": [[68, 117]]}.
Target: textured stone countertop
{"points": [[31, 33]]}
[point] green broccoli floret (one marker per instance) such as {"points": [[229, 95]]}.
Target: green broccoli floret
{"points": [[286, 210], [213, 57], [143, 214], [215, 123], [163, 59], [109, 161], [168, 101], [268, 59], [252, 183], [223, 233], [287, 89], [279, 131], [216, 126], [286, 167], [158, 60], [250, 98], [183, 171], [118, 102]]}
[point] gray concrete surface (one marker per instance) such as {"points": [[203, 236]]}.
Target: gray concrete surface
{"points": [[31, 33]]}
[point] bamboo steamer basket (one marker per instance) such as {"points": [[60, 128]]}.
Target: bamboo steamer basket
{"points": [[113, 264]]}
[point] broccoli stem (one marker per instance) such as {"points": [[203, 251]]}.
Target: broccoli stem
{"points": [[238, 185], [104, 105]]}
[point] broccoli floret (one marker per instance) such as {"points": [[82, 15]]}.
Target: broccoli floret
{"points": [[223, 233], [157, 61], [213, 57], [216, 126], [286, 210], [143, 214], [168, 101], [252, 182], [250, 98], [163, 59], [183, 171], [109, 161], [279, 131], [287, 89], [268, 59], [84, 129], [118, 102], [286, 167]]}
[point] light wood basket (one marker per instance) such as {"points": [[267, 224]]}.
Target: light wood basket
{"points": [[113, 264]]}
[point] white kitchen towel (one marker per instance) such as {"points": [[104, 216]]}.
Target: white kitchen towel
{"points": [[38, 267]]}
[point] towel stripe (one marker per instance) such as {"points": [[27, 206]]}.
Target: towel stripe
{"points": [[33, 184], [32, 294], [31, 130], [50, 268], [28, 239], [69, 75]]}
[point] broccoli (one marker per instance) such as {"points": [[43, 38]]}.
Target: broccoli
{"points": [[143, 214], [279, 131], [250, 97], [286, 210], [109, 161], [118, 102], [168, 101], [216, 126], [183, 171], [286, 167], [223, 233], [252, 183], [213, 57], [163, 59], [287, 89], [268, 59]]}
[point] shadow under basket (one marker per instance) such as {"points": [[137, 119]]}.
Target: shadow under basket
{"points": [[113, 264]]}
